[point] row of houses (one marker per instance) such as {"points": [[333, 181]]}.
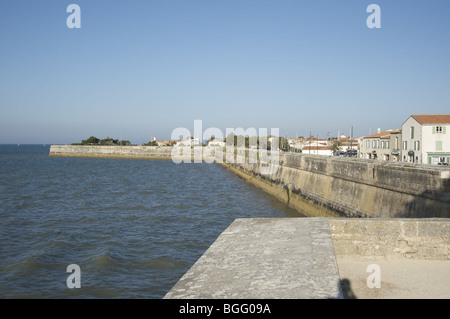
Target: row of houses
{"points": [[326, 147], [310, 145], [422, 139]]}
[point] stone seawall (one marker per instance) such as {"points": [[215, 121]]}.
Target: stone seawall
{"points": [[354, 187], [412, 238], [150, 152], [177, 154]]}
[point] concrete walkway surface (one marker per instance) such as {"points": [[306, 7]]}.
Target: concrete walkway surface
{"points": [[300, 258], [265, 258]]}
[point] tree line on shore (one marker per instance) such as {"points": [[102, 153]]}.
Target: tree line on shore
{"points": [[106, 141], [109, 141], [240, 140]]}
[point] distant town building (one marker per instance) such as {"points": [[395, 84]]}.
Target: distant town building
{"points": [[349, 146], [216, 142], [296, 143], [190, 141], [426, 139], [316, 142], [165, 142], [396, 145], [378, 146], [318, 150]]}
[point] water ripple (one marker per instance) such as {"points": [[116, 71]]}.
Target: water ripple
{"points": [[133, 226]]}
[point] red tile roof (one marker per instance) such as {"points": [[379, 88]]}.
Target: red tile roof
{"points": [[432, 118], [384, 134], [315, 148]]}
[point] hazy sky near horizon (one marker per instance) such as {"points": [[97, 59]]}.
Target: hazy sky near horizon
{"points": [[141, 68]]}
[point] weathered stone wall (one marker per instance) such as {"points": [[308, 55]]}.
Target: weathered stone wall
{"points": [[111, 151], [357, 187], [391, 238]]}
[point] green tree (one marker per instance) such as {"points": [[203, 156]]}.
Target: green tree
{"points": [[266, 140], [90, 140], [336, 146], [124, 143], [283, 143], [107, 141], [151, 143]]}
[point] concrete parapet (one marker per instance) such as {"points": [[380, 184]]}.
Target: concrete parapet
{"points": [[311, 258], [265, 258], [424, 239]]}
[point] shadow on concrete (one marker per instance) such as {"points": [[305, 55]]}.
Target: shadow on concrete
{"points": [[347, 291]]}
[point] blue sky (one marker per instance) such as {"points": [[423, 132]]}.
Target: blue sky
{"points": [[137, 69]]}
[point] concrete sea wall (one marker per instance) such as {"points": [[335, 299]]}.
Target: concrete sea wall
{"points": [[354, 187], [177, 154], [111, 151]]}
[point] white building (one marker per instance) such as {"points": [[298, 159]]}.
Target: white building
{"points": [[296, 143], [165, 142], [216, 142], [189, 142], [378, 146], [426, 139], [318, 150], [317, 142], [348, 145]]}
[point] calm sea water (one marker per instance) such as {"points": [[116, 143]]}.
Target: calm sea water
{"points": [[133, 226]]}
